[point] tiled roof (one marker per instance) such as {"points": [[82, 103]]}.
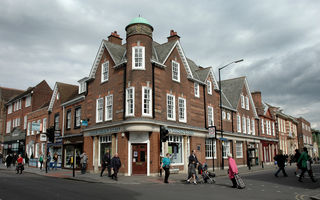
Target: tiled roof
{"points": [[67, 91], [117, 51], [203, 73], [232, 88], [163, 50], [8, 93]]}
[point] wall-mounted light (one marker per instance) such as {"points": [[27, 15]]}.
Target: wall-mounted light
{"points": [[122, 134]]}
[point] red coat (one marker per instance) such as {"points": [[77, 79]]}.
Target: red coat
{"points": [[20, 160]]}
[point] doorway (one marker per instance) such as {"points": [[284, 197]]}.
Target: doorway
{"points": [[139, 158]]}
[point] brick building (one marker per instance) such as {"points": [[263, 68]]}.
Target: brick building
{"points": [[267, 130], [17, 110], [5, 95], [305, 135]]}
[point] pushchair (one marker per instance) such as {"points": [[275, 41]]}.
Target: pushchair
{"points": [[207, 177]]}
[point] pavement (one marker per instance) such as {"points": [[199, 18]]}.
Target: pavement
{"points": [[178, 178]]}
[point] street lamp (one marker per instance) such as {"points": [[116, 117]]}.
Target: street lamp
{"points": [[220, 89]]}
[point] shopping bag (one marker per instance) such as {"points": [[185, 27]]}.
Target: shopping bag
{"points": [[239, 181]]}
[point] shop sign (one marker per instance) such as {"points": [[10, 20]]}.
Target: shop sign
{"points": [[35, 126], [105, 131], [84, 123], [58, 140], [43, 137], [180, 131]]}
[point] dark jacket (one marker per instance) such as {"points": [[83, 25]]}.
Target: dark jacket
{"points": [[193, 159], [115, 163], [106, 160], [281, 160]]}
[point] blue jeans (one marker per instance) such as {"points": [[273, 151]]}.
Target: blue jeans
{"points": [[55, 165], [83, 168]]}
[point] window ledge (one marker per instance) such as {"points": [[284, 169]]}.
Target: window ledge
{"points": [[138, 69]]}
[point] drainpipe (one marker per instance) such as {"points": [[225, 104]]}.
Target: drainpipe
{"points": [[63, 120], [124, 90], [205, 106], [153, 93]]}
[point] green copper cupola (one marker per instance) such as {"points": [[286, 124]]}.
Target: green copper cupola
{"points": [[139, 25]]}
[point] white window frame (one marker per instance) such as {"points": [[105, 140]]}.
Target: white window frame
{"points": [[177, 139], [262, 126], [253, 128], [273, 129], [142, 67], [175, 71], [39, 122], [29, 128], [173, 109], [8, 128], [247, 103], [28, 101], [25, 119], [105, 71], [209, 87], [239, 149], [244, 124], [226, 149], [248, 126], [208, 148], [44, 126], [82, 87], [77, 119], [68, 119], [19, 104], [183, 109], [210, 116], [238, 123], [223, 114], [99, 108], [228, 116], [242, 102], [149, 100], [109, 107], [131, 100], [32, 131], [10, 109], [196, 90]]}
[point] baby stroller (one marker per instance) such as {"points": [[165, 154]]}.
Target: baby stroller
{"points": [[207, 177]]}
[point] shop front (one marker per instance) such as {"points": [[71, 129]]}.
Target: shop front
{"points": [[14, 143], [252, 153], [72, 147], [56, 148]]}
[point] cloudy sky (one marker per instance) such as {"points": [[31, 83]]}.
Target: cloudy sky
{"points": [[278, 40]]}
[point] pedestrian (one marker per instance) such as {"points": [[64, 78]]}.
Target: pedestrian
{"points": [[295, 159], [8, 160], [1, 157], [41, 161], [115, 165], [20, 163], [304, 159], [83, 162], [55, 161], [106, 163], [166, 167], [281, 160], [192, 165], [233, 169], [48, 160], [14, 159]]}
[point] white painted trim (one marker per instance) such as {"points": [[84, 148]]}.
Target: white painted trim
{"points": [[102, 71], [251, 100], [185, 110], [53, 97], [182, 55], [173, 109], [150, 104]]}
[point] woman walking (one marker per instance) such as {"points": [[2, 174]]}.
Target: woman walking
{"points": [[233, 169], [166, 167], [20, 164]]}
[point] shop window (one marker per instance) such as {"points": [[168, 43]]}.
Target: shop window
{"points": [[175, 149], [226, 149], [105, 144], [239, 150]]}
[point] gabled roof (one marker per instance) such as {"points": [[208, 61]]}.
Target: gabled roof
{"points": [[232, 88], [66, 93], [25, 93], [7, 93], [117, 53]]}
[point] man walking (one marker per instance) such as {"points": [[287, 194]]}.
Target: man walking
{"points": [[281, 160], [193, 162], [115, 164], [106, 163], [304, 159], [48, 161]]}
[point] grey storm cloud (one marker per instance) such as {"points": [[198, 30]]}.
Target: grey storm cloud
{"points": [[278, 40]]}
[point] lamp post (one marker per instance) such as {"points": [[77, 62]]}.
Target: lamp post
{"points": [[221, 125]]}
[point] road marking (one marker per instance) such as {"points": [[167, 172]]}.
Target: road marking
{"points": [[262, 190], [278, 191]]}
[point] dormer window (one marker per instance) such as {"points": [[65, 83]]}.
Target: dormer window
{"points": [[105, 72], [82, 87], [242, 102], [28, 101], [209, 87], [175, 71], [196, 90], [138, 58]]}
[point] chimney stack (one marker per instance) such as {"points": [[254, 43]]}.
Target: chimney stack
{"points": [[115, 38], [173, 36]]}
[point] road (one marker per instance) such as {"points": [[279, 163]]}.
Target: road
{"points": [[260, 185]]}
